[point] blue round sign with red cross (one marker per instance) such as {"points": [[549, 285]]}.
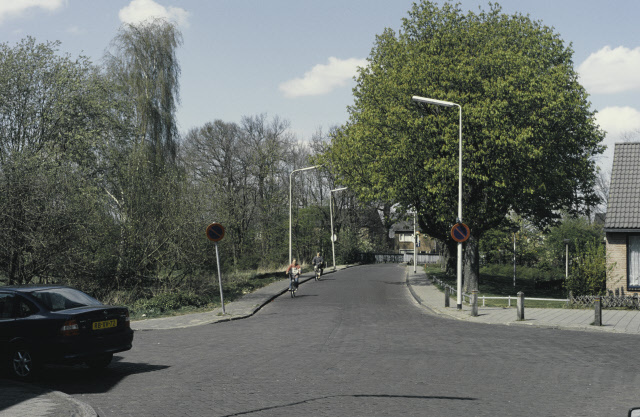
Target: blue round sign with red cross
{"points": [[215, 232], [460, 232]]}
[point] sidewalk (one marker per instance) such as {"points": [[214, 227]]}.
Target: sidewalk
{"points": [[20, 399], [430, 297]]}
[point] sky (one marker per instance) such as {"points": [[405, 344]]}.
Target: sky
{"points": [[296, 59]]}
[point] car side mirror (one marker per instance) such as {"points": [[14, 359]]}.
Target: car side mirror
{"points": [[634, 412]]}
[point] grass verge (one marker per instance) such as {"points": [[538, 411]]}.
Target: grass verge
{"points": [[196, 295], [497, 281]]}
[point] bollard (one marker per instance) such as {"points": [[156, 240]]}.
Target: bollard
{"points": [[597, 302], [520, 306], [446, 296], [474, 303]]}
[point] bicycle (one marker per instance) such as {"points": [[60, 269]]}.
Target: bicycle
{"points": [[293, 286], [318, 271], [293, 283]]}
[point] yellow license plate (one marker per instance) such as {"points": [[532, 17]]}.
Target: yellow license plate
{"points": [[99, 325]]}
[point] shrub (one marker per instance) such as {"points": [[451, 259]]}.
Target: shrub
{"points": [[168, 302], [589, 270]]}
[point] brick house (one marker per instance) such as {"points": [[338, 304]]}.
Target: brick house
{"points": [[622, 223]]}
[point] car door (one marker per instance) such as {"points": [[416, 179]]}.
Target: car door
{"points": [[7, 320]]}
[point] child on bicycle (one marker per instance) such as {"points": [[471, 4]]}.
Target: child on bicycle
{"points": [[318, 263], [293, 271]]}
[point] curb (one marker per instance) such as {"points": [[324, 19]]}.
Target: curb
{"points": [[40, 402]]}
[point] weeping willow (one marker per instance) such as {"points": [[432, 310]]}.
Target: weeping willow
{"points": [[144, 63]]}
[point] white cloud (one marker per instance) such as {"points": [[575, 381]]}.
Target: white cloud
{"points": [[619, 123], [15, 8], [322, 79], [140, 10], [610, 71]]}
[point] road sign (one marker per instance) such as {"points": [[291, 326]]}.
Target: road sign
{"points": [[460, 232], [215, 232]]}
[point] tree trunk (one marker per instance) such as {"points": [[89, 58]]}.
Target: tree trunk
{"points": [[448, 253], [471, 265]]}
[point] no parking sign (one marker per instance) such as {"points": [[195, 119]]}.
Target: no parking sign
{"points": [[215, 232], [460, 232]]}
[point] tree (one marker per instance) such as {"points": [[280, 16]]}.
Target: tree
{"points": [[52, 112], [580, 233], [145, 64], [142, 179], [244, 170], [529, 137]]}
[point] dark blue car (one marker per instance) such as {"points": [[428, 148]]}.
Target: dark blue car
{"points": [[57, 324]]}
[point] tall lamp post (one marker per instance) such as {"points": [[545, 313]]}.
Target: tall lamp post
{"points": [[290, 199], [459, 263], [566, 257], [333, 246], [514, 229], [415, 239]]}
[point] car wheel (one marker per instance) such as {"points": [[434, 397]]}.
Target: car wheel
{"points": [[23, 365], [100, 362]]}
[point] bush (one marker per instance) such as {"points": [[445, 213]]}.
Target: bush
{"points": [[588, 270], [168, 302]]}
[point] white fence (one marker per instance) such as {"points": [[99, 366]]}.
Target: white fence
{"points": [[423, 258], [467, 297]]}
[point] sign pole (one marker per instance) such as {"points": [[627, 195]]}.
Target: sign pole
{"points": [[415, 238], [220, 279], [215, 233]]}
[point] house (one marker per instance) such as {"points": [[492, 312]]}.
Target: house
{"points": [[622, 223], [402, 235]]}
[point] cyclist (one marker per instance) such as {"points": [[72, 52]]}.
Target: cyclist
{"points": [[293, 271], [318, 263]]}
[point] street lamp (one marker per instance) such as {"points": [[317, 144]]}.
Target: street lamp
{"points": [[333, 247], [566, 272], [514, 229], [290, 199], [459, 264], [415, 238]]}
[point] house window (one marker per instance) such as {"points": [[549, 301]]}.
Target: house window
{"points": [[406, 237], [633, 259]]}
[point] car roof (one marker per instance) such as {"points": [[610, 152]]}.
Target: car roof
{"points": [[31, 288]]}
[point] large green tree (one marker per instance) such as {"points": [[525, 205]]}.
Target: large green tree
{"points": [[529, 136], [53, 111]]}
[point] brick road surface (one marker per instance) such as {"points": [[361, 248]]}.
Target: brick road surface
{"points": [[357, 344]]}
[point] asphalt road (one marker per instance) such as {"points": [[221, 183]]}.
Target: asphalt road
{"points": [[356, 344]]}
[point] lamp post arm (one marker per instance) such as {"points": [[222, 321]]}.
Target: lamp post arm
{"points": [[290, 204]]}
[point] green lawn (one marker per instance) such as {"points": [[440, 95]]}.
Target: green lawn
{"points": [[497, 281]]}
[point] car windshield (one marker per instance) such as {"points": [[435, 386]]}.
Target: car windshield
{"points": [[56, 299]]}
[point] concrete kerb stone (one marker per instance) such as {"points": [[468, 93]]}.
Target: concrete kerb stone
{"points": [[21, 399]]}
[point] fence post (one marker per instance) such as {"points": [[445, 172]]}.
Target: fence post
{"points": [[446, 296], [520, 306], [597, 302], [474, 303]]}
